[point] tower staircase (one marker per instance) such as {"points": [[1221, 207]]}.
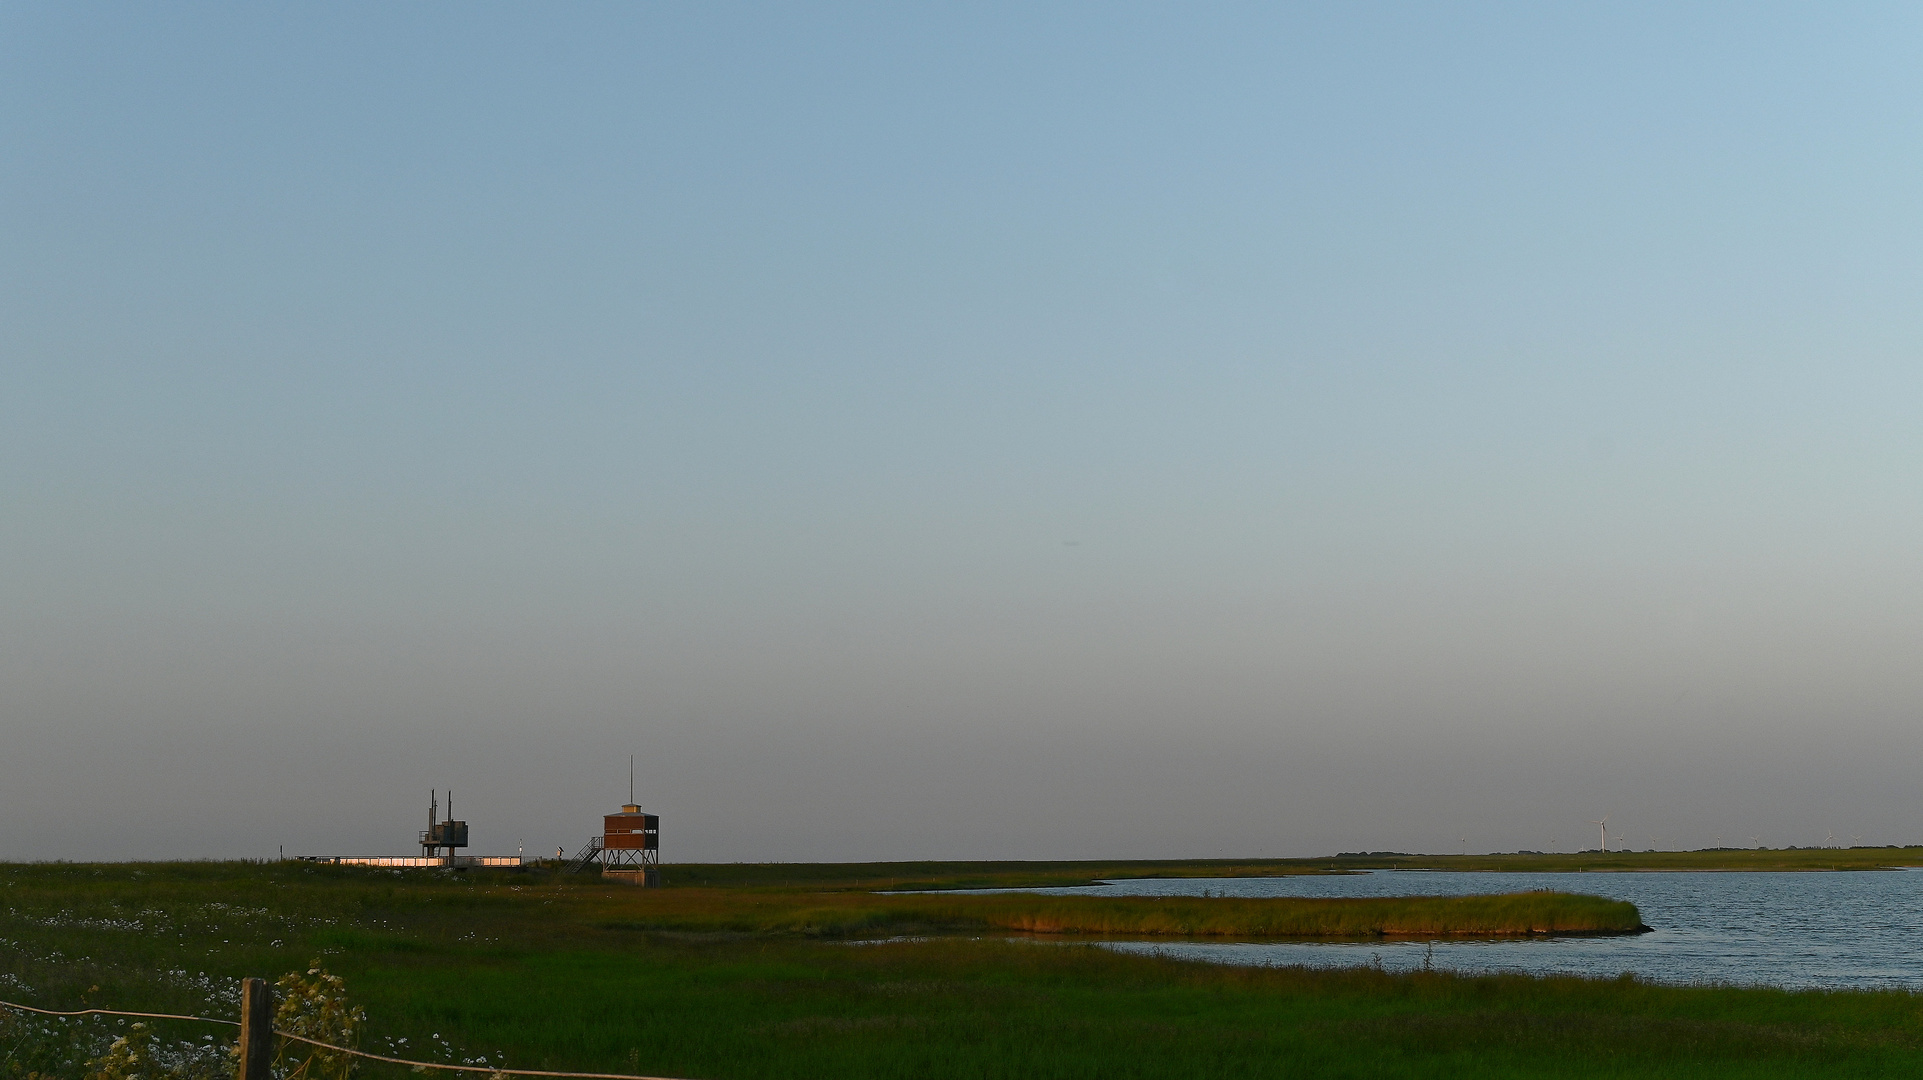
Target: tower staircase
{"points": [[588, 853]]}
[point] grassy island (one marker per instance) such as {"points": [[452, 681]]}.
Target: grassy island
{"points": [[852, 914]]}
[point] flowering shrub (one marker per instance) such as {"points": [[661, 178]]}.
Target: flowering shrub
{"points": [[140, 1055], [129, 1058], [315, 1005]]}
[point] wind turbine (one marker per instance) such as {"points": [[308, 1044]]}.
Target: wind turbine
{"points": [[1755, 842], [1855, 840], [1604, 826], [1831, 842], [1465, 847]]}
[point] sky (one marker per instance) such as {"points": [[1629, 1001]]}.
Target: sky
{"points": [[977, 431]]}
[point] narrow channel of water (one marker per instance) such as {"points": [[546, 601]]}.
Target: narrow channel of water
{"points": [[1827, 930]]}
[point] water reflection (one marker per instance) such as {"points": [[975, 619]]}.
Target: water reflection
{"points": [[1834, 930]]}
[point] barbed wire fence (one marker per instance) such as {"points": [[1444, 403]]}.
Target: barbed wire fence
{"points": [[416, 1065]]}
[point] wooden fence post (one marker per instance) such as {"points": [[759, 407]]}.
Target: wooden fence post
{"points": [[256, 1029]]}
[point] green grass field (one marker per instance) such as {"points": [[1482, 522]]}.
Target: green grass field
{"points": [[537, 971]]}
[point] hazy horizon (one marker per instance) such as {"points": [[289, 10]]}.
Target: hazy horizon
{"points": [[1007, 432]]}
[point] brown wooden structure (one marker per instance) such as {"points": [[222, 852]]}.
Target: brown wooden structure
{"points": [[631, 845]]}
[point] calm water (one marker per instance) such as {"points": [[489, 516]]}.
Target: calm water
{"points": [[1831, 930]]}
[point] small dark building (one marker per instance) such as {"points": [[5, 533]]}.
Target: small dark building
{"points": [[448, 834]]}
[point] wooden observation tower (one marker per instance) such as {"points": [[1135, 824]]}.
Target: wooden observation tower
{"points": [[629, 847]]}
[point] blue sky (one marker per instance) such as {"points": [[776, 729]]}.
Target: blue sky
{"points": [[959, 432]]}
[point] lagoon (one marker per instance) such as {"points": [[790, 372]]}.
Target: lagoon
{"points": [[1849, 929]]}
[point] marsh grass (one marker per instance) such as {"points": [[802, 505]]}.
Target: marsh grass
{"points": [[539, 972], [856, 914]]}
